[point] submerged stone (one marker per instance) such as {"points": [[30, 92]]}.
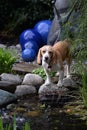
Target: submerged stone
{"points": [[6, 97]]}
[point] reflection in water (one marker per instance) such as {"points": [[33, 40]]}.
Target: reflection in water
{"points": [[28, 109]]}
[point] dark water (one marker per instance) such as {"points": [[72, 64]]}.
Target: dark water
{"points": [[28, 109]]}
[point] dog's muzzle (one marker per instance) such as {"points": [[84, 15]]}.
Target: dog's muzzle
{"points": [[46, 58]]}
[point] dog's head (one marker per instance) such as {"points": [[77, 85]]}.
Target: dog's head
{"points": [[46, 54]]}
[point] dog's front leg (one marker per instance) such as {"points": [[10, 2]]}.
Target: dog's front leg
{"points": [[61, 75], [48, 79]]}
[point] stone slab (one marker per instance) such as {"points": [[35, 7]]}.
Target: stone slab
{"points": [[24, 67]]}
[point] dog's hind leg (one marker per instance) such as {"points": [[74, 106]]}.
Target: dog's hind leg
{"points": [[69, 60], [61, 76]]}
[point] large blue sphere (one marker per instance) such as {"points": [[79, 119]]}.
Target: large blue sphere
{"points": [[29, 34], [32, 45], [28, 55], [43, 28]]}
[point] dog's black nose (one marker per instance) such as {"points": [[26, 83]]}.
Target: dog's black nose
{"points": [[46, 58]]}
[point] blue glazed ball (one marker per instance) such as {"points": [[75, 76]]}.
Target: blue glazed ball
{"points": [[32, 45], [28, 55], [29, 34], [43, 28]]}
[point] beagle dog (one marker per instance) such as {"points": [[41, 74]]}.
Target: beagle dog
{"points": [[52, 58]]}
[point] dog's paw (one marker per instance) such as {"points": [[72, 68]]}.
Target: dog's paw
{"points": [[60, 84], [69, 76], [47, 84], [57, 74]]}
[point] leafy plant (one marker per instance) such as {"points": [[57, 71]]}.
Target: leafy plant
{"points": [[40, 71], [6, 60]]}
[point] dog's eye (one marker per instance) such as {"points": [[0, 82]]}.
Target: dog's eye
{"points": [[44, 51], [50, 52]]}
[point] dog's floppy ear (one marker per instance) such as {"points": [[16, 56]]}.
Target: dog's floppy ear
{"points": [[39, 57]]}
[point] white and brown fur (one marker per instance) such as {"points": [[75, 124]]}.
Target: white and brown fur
{"points": [[52, 58]]}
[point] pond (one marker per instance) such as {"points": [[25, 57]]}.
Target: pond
{"points": [[41, 116]]}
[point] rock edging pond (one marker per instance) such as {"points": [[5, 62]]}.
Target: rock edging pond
{"points": [[28, 84]]}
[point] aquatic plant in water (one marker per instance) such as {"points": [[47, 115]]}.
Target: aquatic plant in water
{"points": [[9, 127]]}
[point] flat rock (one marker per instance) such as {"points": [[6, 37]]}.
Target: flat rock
{"points": [[24, 67], [6, 97], [24, 90]]}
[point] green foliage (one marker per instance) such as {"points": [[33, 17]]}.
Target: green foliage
{"points": [[40, 71], [84, 90], [6, 60]]}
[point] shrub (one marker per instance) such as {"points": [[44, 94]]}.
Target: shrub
{"points": [[6, 60]]}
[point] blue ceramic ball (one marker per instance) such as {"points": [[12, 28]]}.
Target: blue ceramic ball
{"points": [[43, 28], [29, 34], [28, 55], [32, 45]]}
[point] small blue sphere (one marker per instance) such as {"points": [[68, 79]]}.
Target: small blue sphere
{"points": [[29, 34], [43, 28], [28, 55], [32, 45]]}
